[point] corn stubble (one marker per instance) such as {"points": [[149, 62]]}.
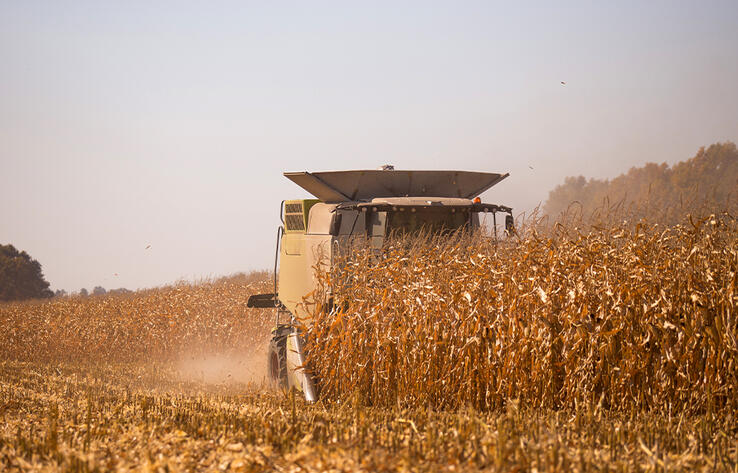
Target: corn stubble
{"points": [[629, 317], [143, 418]]}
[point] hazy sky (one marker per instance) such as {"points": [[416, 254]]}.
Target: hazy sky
{"points": [[128, 124]]}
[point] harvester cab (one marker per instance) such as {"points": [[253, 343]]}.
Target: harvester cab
{"points": [[367, 205]]}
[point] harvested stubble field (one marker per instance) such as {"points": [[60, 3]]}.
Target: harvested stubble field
{"points": [[111, 417], [606, 349]]}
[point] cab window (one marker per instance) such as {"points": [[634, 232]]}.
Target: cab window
{"points": [[430, 220]]}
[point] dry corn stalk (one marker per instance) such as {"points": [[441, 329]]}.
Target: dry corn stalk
{"points": [[626, 316]]}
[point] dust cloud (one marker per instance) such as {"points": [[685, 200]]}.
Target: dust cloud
{"points": [[227, 369]]}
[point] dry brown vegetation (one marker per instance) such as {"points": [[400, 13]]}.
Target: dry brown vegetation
{"points": [[574, 348], [151, 325], [627, 316], [143, 418]]}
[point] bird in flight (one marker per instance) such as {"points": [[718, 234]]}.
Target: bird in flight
{"points": [[148, 246], [563, 83]]}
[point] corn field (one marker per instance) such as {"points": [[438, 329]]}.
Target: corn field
{"points": [[152, 325], [628, 316], [566, 348]]}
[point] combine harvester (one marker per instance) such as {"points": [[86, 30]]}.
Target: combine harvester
{"points": [[353, 205]]}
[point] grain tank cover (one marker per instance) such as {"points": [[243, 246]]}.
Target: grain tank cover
{"points": [[343, 186]]}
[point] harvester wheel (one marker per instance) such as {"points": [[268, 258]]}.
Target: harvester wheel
{"points": [[277, 361]]}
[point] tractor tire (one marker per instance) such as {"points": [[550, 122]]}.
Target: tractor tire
{"points": [[277, 361]]}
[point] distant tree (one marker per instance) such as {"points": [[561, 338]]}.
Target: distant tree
{"points": [[60, 293], [20, 276], [120, 290], [98, 291], [83, 292]]}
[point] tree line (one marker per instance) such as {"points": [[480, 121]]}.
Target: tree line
{"points": [[21, 278], [706, 182]]}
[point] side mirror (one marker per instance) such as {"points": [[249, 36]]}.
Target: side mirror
{"points": [[509, 224], [335, 224]]}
